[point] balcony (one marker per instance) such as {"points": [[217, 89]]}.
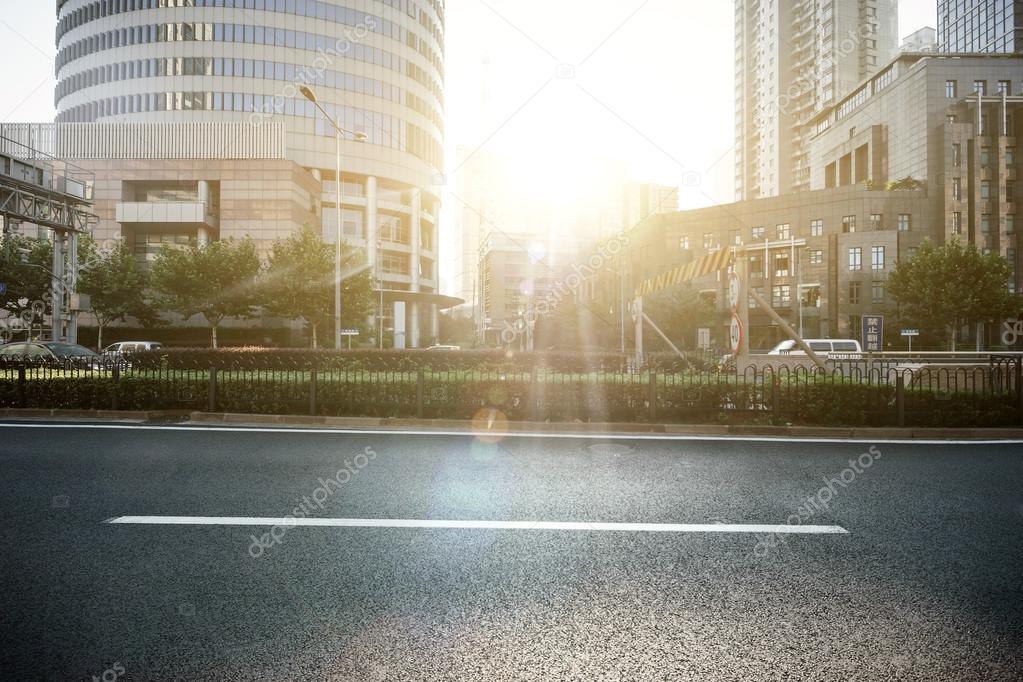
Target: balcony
{"points": [[172, 212]]}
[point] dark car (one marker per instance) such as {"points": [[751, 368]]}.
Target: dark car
{"points": [[50, 354]]}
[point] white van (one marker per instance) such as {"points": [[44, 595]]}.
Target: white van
{"points": [[821, 346]]}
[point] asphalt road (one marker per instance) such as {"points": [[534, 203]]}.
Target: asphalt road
{"points": [[927, 582]]}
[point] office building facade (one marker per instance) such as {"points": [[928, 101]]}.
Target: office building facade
{"points": [[792, 59], [980, 26], [375, 66]]}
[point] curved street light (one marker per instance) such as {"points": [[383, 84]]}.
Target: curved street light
{"points": [[339, 134]]}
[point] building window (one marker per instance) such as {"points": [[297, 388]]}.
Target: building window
{"points": [[735, 237], [781, 265], [760, 292], [848, 223], [957, 189], [783, 231], [1010, 156], [905, 222], [985, 155], [757, 233], [781, 296], [951, 89], [708, 240], [1010, 223], [1005, 87], [854, 292], [985, 223], [877, 258], [957, 154], [816, 257], [683, 243], [876, 221], [985, 190], [811, 296], [957, 223], [1010, 255], [855, 258], [877, 291], [950, 118], [816, 227], [980, 87], [1010, 191], [756, 267]]}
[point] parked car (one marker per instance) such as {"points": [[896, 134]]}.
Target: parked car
{"points": [[122, 347], [822, 346], [444, 347], [51, 354]]}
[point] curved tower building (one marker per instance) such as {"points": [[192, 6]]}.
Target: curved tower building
{"points": [[214, 86]]}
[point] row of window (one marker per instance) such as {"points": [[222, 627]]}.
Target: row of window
{"points": [[987, 188], [245, 68], [987, 158], [979, 87], [313, 9], [877, 258], [783, 231], [325, 46], [781, 294], [986, 222], [381, 129]]}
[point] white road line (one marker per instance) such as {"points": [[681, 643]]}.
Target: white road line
{"points": [[480, 525], [518, 434]]}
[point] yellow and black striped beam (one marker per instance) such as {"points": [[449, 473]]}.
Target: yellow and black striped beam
{"points": [[685, 273]]}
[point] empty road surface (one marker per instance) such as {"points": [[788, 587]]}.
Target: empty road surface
{"points": [[160, 553]]}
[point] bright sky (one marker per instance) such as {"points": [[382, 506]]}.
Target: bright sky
{"points": [[648, 82]]}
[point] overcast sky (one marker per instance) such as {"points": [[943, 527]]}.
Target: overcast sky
{"points": [[650, 83]]}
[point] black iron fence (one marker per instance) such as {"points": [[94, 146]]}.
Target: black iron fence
{"points": [[976, 396]]}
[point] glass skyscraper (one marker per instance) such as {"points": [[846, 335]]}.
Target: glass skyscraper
{"points": [[980, 25]]}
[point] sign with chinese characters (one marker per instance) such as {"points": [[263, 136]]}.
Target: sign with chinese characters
{"points": [[873, 333]]}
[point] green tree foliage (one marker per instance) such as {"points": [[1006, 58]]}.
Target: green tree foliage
{"points": [[943, 288], [24, 267], [299, 283], [458, 331], [679, 312], [217, 280], [115, 284]]}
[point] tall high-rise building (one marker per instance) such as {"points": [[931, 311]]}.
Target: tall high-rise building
{"points": [[793, 58], [980, 25], [199, 105]]}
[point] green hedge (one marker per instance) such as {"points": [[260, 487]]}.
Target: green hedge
{"points": [[826, 403]]}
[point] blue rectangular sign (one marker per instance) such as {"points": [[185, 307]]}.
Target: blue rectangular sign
{"points": [[3, 288], [873, 333]]}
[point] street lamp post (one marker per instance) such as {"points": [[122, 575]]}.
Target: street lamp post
{"points": [[339, 134]]}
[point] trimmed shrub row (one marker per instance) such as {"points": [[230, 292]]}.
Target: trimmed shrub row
{"points": [[825, 403]]}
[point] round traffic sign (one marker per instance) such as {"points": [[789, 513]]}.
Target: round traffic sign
{"points": [[733, 291], [735, 334]]}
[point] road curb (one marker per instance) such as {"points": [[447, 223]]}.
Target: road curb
{"points": [[610, 429]]}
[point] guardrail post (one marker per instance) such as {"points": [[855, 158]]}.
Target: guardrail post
{"points": [[652, 397], [776, 396], [420, 391], [212, 404], [312, 392], [22, 387], [115, 397], [534, 407], [1018, 366], [900, 399]]}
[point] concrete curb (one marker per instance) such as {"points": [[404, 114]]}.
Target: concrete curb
{"points": [[610, 429]]}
